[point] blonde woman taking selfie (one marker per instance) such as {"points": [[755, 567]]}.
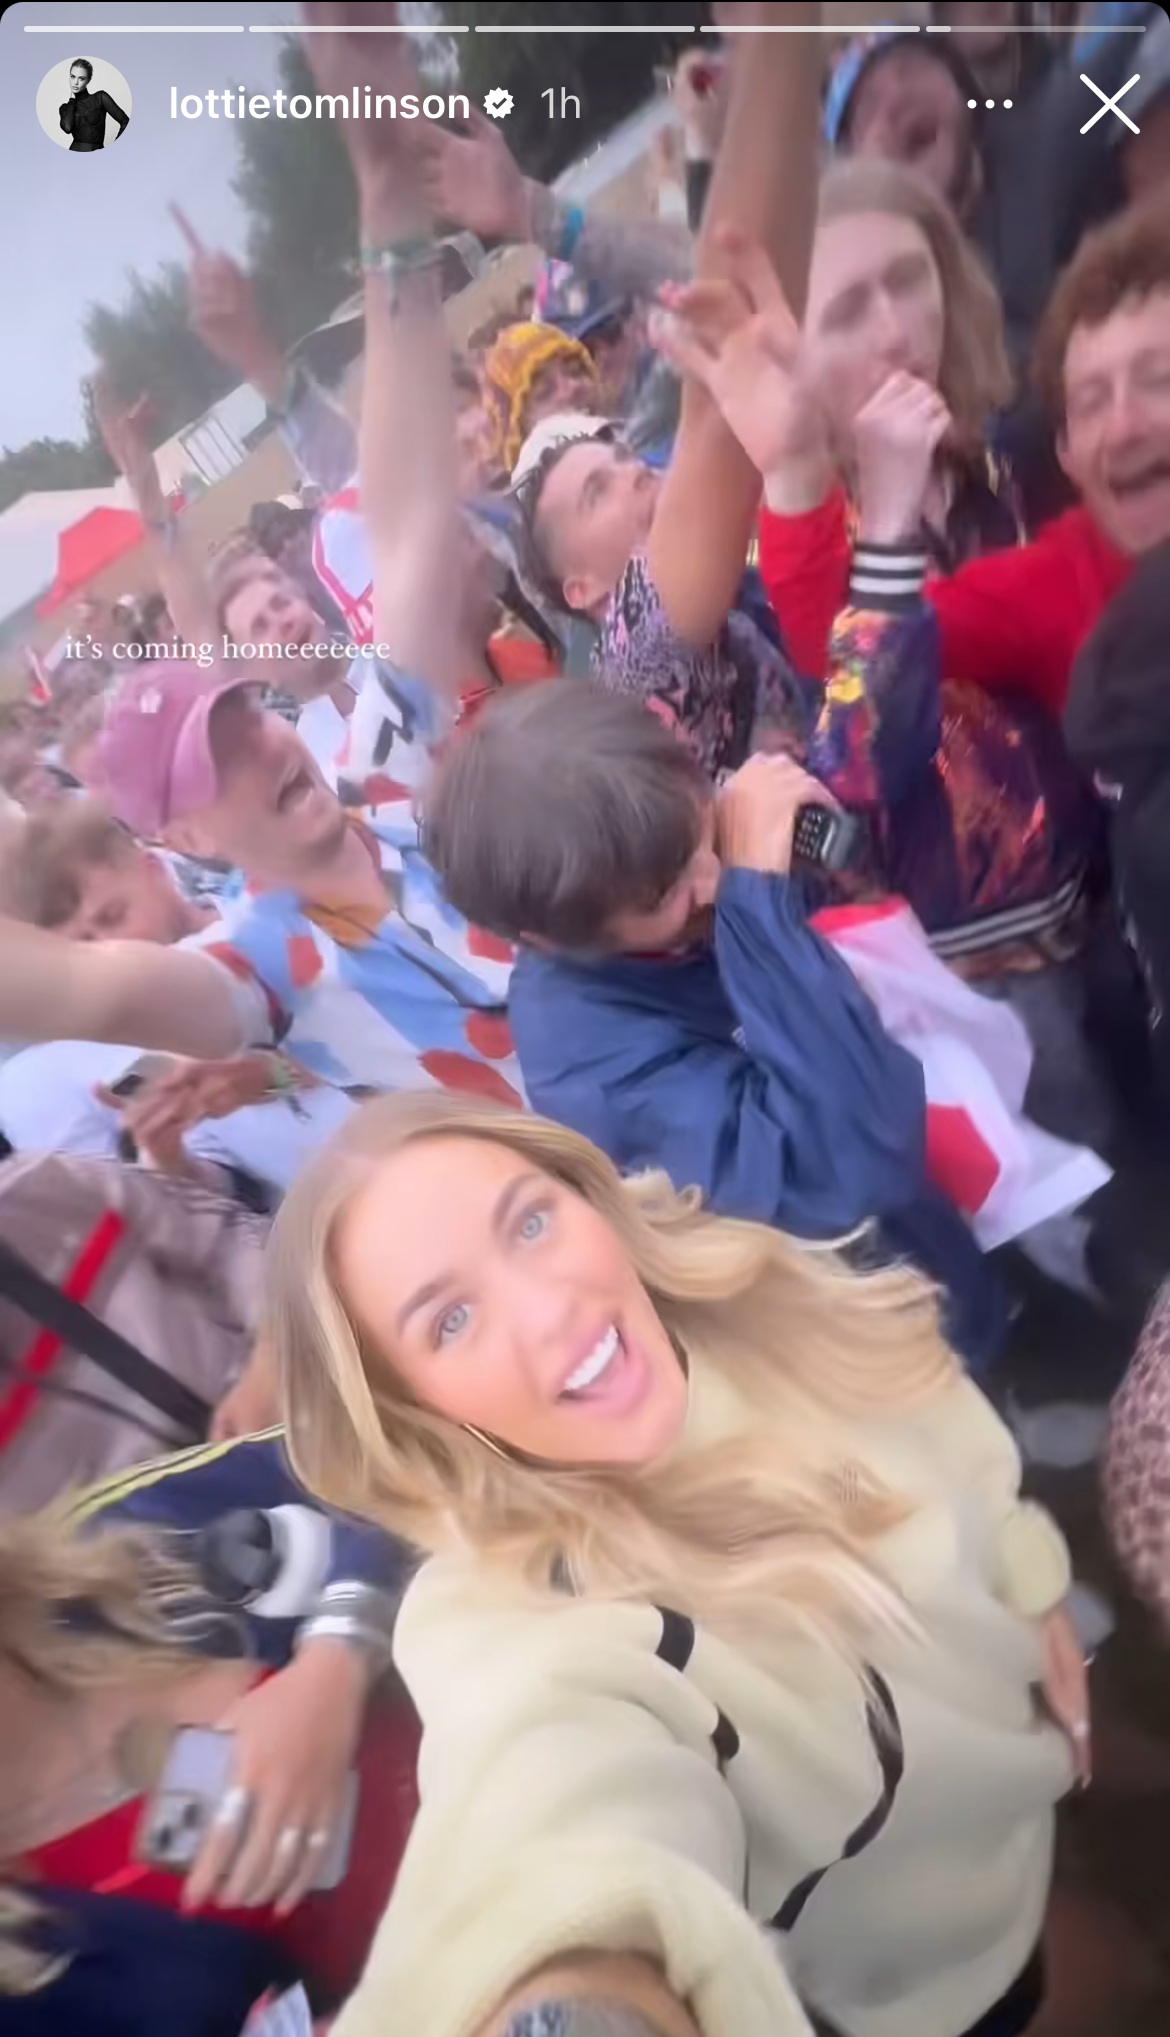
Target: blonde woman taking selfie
{"points": [[745, 1689]]}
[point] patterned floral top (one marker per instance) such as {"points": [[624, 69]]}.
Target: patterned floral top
{"points": [[737, 694], [1137, 1465]]}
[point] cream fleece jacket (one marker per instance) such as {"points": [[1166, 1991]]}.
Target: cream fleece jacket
{"points": [[603, 1776]]}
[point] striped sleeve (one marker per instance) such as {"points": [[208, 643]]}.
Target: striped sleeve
{"points": [[887, 578], [125, 1486]]}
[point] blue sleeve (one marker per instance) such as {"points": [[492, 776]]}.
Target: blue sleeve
{"points": [[191, 1490], [810, 1117]]}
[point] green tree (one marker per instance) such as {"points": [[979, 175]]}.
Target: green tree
{"points": [[611, 75], [295, 182], [46, 464], [148, 348]]}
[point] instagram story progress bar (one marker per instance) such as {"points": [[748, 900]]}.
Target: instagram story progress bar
{"points": [[446, 28]]}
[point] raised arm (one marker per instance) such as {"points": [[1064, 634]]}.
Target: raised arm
{"points": [[764, 187], [226, 314], [581, 1812], [178, 566], [126, 992], [473, 181], [407, 435]]}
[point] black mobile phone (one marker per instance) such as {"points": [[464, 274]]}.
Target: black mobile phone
{"points": [[824, 838]]}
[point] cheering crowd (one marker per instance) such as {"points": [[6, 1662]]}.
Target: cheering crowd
{"points": [[568, 1004]]}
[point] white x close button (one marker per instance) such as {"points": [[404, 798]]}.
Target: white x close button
{"points": [[1110, 105]]}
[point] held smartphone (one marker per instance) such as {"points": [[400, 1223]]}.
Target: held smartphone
{"points": [[181, 1810], [145, 1069], [824, 838]]}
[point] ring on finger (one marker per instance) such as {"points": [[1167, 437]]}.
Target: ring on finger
{"points": [[289, 1840], [232, 1808], [320, 1837]]}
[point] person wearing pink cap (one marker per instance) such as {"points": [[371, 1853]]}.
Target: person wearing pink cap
{"points": [[341, 948]]}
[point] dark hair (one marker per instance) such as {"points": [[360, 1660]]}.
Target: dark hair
{"points": [[46, 864], [535, 569], [154, 608], [82, 63], [272, 524], [560, 806], [1127, 258]]}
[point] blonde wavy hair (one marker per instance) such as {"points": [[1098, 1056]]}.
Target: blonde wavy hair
{"points": [[744, 1536], [49, 1568], [975, 378]]}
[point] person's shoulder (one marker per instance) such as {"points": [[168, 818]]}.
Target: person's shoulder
{"points": [[1072, 534], [546, 990], [453, 1609], [460, 1612], [257, 941], [242, 914], [637, 588], [633, 615]]}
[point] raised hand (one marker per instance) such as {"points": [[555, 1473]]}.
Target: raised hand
{"points": [[473, 179], [225, 312], [173, 1103], [895, 438], [739, 339], [700, 99], [756, 813], [1066, 1689], [343, 62], [124, 434]]}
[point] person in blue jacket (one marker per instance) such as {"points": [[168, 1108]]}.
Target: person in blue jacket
{"points": [[671, 1002], [208, 1590]]}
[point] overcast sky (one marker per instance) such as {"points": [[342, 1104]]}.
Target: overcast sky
{"points": [[72, 230]]}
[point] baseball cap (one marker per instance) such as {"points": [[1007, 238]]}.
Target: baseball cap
{"points": [[154, 755], [557, 431], [572, 303]]}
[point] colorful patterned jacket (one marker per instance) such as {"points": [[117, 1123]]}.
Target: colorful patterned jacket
{"points": [[977, 815]]}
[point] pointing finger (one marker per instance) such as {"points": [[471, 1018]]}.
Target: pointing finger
{"points": [[194, 244]]}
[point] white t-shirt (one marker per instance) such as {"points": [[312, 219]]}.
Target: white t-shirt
{"points": [[47, 1105]]}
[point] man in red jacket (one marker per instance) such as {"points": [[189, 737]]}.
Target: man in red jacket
{"points": [[1016, 619]]}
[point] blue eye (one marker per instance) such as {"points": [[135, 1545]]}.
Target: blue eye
{"points": [[533, 1226], [451, 1324]]}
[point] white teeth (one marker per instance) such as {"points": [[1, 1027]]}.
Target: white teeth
{"points": [[591, 1368]]}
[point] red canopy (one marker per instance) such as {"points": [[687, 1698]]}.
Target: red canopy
{"points": [[86, 547]]}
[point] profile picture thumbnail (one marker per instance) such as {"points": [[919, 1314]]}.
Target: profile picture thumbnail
{"points": [[83, 104]]}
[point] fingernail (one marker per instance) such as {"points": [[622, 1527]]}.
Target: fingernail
{"points": [[1080, 1729]]}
